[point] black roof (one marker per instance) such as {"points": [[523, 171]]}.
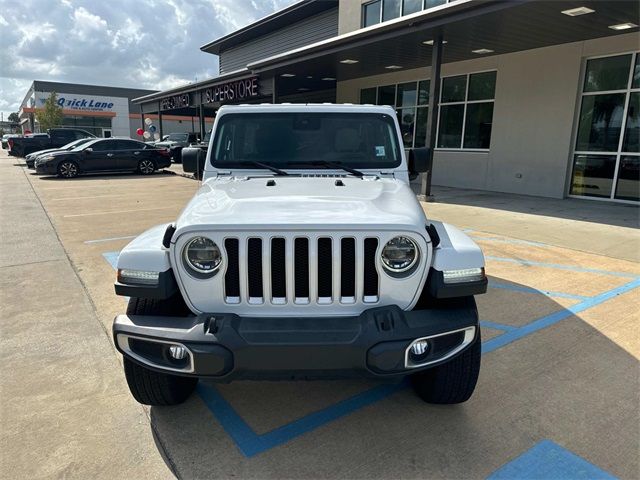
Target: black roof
{"points": [[280, 19]]}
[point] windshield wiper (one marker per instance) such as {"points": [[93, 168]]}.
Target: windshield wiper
{"points": [[268, 167], [339, 165]]}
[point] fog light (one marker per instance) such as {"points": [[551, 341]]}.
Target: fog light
{"points": [[177, 352], [420, 348]]}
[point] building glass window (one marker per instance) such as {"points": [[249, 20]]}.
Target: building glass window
{"points": [[387, 95], [607, 147], [368, 95], [371, 13], [384, 10], [466, 111], [390, 9], [411, 6]]}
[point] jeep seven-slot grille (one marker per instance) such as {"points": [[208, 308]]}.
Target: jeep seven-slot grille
{"points": [[301, 270]]}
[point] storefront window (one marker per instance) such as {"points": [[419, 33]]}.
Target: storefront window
{"points": [[628, 185], [406, 95], [368, 95], [466, 111], [600, 122], [607, 148], [387, 95], [609, 73]]}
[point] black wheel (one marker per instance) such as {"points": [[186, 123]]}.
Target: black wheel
{"points": [[146, 167], [452, 382], [68, 169], [147, 386]]}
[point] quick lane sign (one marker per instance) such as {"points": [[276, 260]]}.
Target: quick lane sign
{"points": [[232, 91], [176, 101]]}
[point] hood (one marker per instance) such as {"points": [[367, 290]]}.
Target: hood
{"points": [[44, 152], [302, 202]]}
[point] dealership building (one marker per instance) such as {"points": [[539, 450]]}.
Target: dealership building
{"points": [[103, 111], [523, 96]]}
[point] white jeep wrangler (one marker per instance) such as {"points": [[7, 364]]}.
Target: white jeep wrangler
{"points": [[304, 255]]}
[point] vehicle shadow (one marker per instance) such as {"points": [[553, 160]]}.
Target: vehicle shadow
{"points": [[400, 436], [107, 176], [606, 213]]}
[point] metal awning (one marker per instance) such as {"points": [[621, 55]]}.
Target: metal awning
{"points": [[468, 25]]}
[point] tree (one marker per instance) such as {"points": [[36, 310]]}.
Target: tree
{"points": [[51, 114], [14, 118]]}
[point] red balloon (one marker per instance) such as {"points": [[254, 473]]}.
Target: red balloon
{"points": [[140, 131]]}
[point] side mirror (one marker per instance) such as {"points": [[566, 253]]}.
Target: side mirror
{"points": [[193, 160], [87, 151], [420, 161]]}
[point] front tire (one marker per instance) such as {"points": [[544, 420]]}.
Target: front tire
{"points": [[452, 382], [146, 167], [148, 386], [68, 169]]}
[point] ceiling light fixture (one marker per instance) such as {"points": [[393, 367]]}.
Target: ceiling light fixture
{"points": [[430, 42], [393, 67], [329, 79], [348, 61], [303, 89], [288, 75], [575, 12], [482, 51], [623, 26]]}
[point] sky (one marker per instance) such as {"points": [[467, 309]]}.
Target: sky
{"points": [[152, 44]]}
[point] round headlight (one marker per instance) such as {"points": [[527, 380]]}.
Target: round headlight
{"points": [[202, 255], [399, 254]]}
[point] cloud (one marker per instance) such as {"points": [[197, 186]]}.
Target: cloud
{"points": [[152, 44]]}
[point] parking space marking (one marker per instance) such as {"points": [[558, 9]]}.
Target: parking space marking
{"points": [[549, 460], [250, 443], [522, 289], [101, 240], [555, 317], [511, 241], [557, 266], [91, 214], [497, 326]]}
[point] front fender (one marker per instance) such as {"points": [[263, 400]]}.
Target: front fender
{"points": [[455, 251], [147, 253]]}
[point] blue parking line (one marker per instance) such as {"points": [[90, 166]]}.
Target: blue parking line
{"points": [[548, 460], [497, 326], [520, 288], [555, 317], [511, 241], [561, 267], [250, 443], [112, 258]]}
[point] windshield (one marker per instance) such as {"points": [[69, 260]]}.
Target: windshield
{"points": [[300, 140], [177, 137]]}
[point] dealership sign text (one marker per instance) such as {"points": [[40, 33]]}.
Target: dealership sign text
{"points": [[177, 101], [232, 91]]}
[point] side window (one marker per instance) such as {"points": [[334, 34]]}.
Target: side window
{"points": [[127, 145], [101, 146]]}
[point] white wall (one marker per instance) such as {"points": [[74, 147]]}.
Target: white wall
{"points": [[533, 120]]}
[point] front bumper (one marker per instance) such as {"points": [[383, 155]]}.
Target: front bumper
{"points": [[226, 347], [46, 169]]}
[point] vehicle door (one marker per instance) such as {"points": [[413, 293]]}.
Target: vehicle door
{"points": [[98, 156], [129, 153]]}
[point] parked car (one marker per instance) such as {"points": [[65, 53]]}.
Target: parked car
{"points": [[305, 257], [54, 138], [175, 142], [32, 157], [105, 154], [6, 137]]}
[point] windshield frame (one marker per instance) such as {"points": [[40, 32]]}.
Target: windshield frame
{"points": [[396, 157]]}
